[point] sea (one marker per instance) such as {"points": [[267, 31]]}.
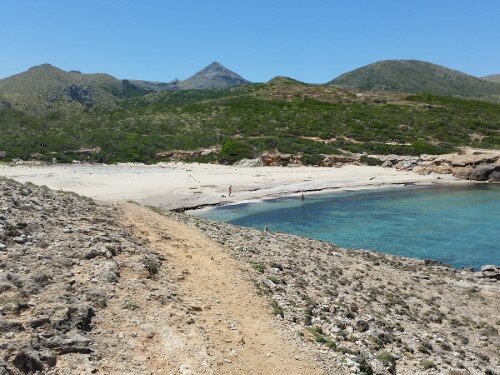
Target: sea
{"points": [[456, 225]]}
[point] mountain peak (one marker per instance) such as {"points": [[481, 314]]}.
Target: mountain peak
{"points": [[213, 76], [45, 66], [216, 64]]}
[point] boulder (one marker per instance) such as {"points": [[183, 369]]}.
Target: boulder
{"points": [[332, 160], [495, 175], [257, 162], [482, 172], [490, 272], [462, 172]]}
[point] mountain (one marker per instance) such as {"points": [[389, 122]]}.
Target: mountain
{"points": [[413, 76], [214, 76], [492, 78], [46, 87]]}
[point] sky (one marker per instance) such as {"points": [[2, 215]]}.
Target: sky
{"points": [[309, 40]]}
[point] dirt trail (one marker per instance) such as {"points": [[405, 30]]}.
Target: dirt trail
{"points": [[230, 329]]}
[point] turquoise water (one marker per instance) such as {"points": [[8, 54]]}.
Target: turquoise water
{"points": [[459, 226]]}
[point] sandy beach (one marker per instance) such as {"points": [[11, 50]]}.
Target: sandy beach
{"points": [[179, 185]]}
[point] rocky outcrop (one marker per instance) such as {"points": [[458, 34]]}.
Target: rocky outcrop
{"points": [[338, 160], [476, 167], [277, 159], [62, 259], [489, 272], [186, 154]]}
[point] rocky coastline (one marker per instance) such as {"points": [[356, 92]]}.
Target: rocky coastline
{"points": [[81, 293], [371, 312]]}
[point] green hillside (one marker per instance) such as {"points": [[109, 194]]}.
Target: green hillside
{"points": [[282, 115], [413, 76], [46, 88]]}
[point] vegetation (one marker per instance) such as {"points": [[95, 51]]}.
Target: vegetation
{"points": [[283, 115], [413, 76], [233, 150]]}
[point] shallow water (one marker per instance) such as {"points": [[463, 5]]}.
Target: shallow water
{"points": [[459, 226]]}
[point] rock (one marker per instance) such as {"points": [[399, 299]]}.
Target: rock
{"points": [[20, 239], [257, 162], [490, 272], [186, 154], [495, 175], [337, 160], [27, 361], [69, 343], [362, 326], [110, 273], [277, 159], [407, 164], [462, 172], [481, 173]]}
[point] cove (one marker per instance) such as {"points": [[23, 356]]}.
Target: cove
{"points": [[456, 225]]}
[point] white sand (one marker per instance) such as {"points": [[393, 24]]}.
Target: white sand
{"points": [[175, 185]]}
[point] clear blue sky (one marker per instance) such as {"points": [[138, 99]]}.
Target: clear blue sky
{"points": [[309, 40]]}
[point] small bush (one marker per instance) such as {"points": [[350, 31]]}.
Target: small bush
{"points": [[151, 264], [427, 364], [386, 358]]}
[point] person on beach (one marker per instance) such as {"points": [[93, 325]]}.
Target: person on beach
{"points": [[230, 189]]}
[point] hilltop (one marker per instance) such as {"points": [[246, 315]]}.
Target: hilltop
{"points": [[46, 88], [413, 76], [214, 76]]}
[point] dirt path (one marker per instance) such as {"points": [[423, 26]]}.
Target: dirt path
{"points": [[230, 328]]}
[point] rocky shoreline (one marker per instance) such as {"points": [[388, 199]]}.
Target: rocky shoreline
{"points": [[367, 311], [81, 293], [472, 165]]}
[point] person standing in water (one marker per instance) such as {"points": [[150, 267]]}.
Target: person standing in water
{"points": [[230, 189]]}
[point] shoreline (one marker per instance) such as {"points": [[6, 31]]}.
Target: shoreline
{"points": [[330, 190], [182, 186]]}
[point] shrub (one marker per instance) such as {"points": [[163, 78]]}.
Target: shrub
{"points": [[386, 358], [369, 160], [427, 364], [233, 150]]}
